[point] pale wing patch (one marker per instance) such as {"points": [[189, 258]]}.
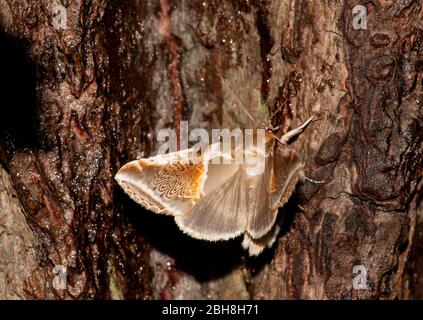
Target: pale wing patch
{"points": [[260, 216], [287, 169], [220, 214], [256, 246]]}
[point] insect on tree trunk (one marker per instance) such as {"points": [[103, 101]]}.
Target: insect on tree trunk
{"points": [[88, 84]]}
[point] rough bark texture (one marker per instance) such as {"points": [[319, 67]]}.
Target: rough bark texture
{"points": [[82, 101]]}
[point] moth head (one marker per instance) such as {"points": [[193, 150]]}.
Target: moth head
{"points": [[269, 128], [270, 133]]}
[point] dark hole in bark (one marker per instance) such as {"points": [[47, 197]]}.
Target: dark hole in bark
{"points": [[18, 94]]}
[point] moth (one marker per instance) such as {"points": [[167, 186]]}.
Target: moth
{"points": [[220, 200]]}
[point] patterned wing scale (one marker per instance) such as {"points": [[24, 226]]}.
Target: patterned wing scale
{"points": [[179, 181], [170, 187]]}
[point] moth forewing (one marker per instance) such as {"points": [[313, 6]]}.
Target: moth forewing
{"points": [[171, 183], [260, 215], [287, 171]]}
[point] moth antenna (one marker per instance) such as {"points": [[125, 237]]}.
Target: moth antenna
{"points": [[237, 100], [290, 134], [314, 181], [277, 110]]}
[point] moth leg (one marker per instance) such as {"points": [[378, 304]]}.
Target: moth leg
{"points": [[274, 136], [290, 134], [314, 181]]}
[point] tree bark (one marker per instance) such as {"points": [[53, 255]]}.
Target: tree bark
{"points": [[82, 101]]}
